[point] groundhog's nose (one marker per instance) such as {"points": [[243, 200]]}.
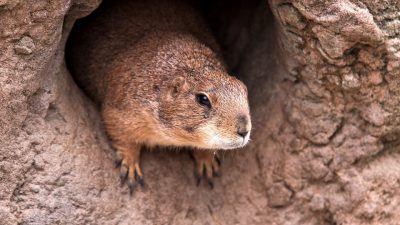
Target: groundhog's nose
{"points": [[243, 126], [242, 133]]}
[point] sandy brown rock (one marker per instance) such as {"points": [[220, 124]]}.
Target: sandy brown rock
{"points": [[324, 88]]}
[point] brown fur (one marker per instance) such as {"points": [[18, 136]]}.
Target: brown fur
{"points": [[144, 62]]}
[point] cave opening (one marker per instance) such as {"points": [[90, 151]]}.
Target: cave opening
{"points": [[246, 33]]}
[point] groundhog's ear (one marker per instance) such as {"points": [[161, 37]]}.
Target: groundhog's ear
{"points": [[178, 86]]}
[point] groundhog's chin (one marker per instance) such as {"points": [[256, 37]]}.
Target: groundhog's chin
{"points": [[228, 144], [212, 138], [223, 143]]}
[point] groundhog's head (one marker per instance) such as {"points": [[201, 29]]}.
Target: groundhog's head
{"points": [[206, 109]]}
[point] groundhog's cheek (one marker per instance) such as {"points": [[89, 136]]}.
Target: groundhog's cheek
{"points": [[202, 139]]}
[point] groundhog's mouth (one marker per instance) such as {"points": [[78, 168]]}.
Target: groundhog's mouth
{"points": [[213, 138], [219, 142]]}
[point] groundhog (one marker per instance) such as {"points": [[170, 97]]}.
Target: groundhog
{"points": [[156, 72]]}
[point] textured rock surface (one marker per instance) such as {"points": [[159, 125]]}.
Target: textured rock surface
{"points": [[324, 88]]}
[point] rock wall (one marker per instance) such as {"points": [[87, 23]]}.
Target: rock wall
{"points": [[342, 109], [323, 79]]}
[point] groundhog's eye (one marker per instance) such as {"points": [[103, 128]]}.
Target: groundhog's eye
{"points": [[203, 100]]}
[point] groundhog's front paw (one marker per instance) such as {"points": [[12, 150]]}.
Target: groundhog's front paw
{"points": [[207, 166], [130, 171]]}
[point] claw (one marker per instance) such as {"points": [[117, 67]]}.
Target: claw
{"points": [[118, 163], [204, 172], [139, 179], [123, 174], [198, 178], [211, 183], [207, 167], [217, 160], [141, 182], [216, 174], [136, 175], [131, 187], [130, 172]]}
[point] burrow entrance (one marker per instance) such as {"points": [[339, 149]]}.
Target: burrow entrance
{"points": [[245, 30], [246, 33]]}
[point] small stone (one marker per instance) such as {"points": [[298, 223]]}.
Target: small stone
{"points": [[353, 185], [36, 31], [393, 48], [325, 153], [333, 79], [8, 4], [392, 28], [350, 81], [5, 32], [295, 184], [39, 16], [366, 57], [329, 177], [291, 16], [317, 203], [35, 189], [25, 46], [375, 114], [39, 163], [297, 144], [333, 44], [295, 39], [279, 195], [393, 65], [375, 77], [368, 210], [317, 170]]}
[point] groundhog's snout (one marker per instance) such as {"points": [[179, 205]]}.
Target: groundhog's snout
{"points": [[243, 126]]}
